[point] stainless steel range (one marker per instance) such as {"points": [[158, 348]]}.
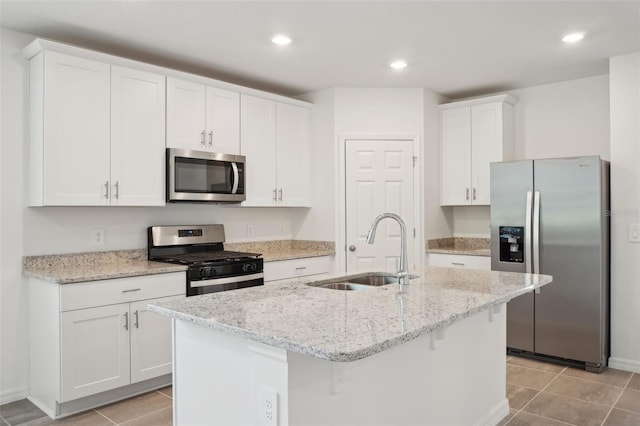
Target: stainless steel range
{"points": [[211, 268]]}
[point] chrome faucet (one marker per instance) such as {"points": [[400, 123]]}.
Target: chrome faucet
{"points": [[403, 272]]}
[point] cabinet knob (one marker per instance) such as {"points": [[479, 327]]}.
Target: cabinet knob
{"points": [[352, 248]]}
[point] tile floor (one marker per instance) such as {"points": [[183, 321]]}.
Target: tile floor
{"points": [[540, 394], [149, 409]]}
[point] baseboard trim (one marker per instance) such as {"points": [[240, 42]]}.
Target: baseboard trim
{"points": [[624, 364], [497, 413], [12, 395]]}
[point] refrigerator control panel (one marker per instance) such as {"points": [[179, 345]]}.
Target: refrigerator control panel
{"points": [[512, 244]]}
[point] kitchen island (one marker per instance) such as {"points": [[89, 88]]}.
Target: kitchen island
{"points": [[294, 354]]}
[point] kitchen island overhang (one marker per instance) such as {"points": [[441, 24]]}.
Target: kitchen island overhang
{"points": [[432, 355]]}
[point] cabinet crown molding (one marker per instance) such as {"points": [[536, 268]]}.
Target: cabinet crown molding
{"points": [[39, 45], [506, 98]]}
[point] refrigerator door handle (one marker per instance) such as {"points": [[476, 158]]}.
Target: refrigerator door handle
{"points": [[536, 233], [527, 234]]}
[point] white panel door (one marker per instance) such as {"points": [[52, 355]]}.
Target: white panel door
{"points": [[292, 164], [137, 138], [185, 114], [486, 147], [455, 162], [258, 144], [94, 350], [223, 121], [76, 131], [150, 342], [379, 179]]}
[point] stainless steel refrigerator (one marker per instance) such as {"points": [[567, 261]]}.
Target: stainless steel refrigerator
{"points": [[551, 217]]}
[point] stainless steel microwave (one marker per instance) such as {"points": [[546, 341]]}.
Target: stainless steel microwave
{"points": [[200, 176]]}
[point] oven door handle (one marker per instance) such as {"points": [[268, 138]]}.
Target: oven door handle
{"points": [[228, 280], [236, 178]]}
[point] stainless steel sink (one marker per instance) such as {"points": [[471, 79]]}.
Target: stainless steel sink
{"points": [[361, 281], [344, 286], [374, 280]]}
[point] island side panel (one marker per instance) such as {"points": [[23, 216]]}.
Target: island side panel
{"points": [[453, 376], [213, 377]]}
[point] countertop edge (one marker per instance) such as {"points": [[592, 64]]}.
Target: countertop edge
{"points": [[477, 252], [343, 356]]}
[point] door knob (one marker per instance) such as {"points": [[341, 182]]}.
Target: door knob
{"points": [[352, 248]]}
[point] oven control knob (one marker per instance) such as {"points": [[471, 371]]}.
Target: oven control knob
{"points": [[203, 272], [248, 267], [211, 272]]}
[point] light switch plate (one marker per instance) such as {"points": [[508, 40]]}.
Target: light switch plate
{"points": [[634, 233]]}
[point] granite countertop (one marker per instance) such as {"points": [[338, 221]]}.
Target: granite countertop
{"points": [[349, 325], [285, 249], [460, 245], [93, 266]]}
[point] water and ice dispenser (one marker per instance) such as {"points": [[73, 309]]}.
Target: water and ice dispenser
{"points": [[511, 244]]}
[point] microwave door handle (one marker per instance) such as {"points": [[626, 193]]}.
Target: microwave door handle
{"points": [[236, 178]]}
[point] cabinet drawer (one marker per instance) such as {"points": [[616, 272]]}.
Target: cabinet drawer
{"points": [[121, 290], [460, 261], [284, 269]]}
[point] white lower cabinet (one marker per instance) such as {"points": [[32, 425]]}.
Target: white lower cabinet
{"points": [[460, 261], [294, 268], [94, 337]]}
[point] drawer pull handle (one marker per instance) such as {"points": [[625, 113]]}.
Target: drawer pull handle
{"points": [[457, 263], [301, 267], [131, 291]]}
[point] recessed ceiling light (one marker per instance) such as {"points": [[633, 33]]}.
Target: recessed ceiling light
{"points": [[573, 37], [398, 65], [281, 40]]}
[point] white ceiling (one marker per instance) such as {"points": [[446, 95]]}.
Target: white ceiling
{"points": [[454, 48]]}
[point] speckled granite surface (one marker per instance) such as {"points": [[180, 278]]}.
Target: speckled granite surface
{"points": [[459, 245], [92, 266], [349, 325], [285, 249], [79, 267]]}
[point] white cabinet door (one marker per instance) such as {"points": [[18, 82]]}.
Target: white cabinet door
{"points": [[455, 162], [94, 350], [293, 160], [222, 121], [150, 342], [486, 147], [185, 114], [258, 144], [76, 126], [137, 138], [473, 135]]}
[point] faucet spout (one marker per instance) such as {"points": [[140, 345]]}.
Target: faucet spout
{"points": [[403, 272]]}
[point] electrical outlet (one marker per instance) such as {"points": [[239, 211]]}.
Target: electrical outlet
{"points": [[267, 407], [249, 230], [98, 236], [634, 233]]}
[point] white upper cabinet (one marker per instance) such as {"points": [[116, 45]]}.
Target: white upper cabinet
{"points": [[275, 140], [474, 134], [96, 133], [137, 138], [202, 118], [69, 146]]}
